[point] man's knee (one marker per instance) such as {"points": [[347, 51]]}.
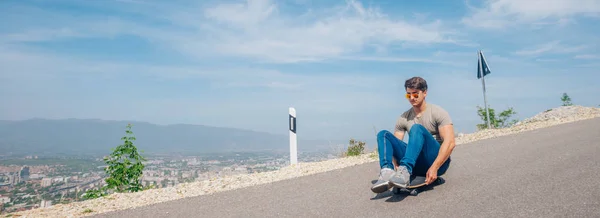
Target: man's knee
{"points": [[417, 128], [382, 133]]}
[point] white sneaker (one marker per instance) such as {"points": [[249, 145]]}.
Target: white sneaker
{"points": [[401, 178], [382, 183]]}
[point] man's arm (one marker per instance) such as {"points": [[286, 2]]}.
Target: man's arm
{"points": [[447, 134]]}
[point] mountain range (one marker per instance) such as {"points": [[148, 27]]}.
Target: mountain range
{"points": [[97, 137]]}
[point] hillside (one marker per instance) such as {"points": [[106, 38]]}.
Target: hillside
{"points": [[93, 137], [121, 201]]}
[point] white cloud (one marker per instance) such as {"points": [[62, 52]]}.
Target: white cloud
{"points": [[256, 29], [380, 58], [496, 14], [587, 56], [249, 14], [46, 71], [554, 47], [37, 35]]}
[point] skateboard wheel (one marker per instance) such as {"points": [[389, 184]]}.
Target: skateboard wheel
{"points": [[440, 181], [414, 192]]}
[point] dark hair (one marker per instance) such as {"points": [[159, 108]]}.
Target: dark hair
{"points": [[416, 83]]}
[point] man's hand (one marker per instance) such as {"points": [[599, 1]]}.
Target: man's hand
{"points": [[431, 175]]}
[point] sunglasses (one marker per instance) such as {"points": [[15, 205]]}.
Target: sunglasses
{"points": [[414, 95]]}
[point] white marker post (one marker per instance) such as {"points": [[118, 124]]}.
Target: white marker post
{"points": [[293, 139]]}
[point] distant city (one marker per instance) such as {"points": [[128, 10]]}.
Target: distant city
{"points": [[30, 182]]}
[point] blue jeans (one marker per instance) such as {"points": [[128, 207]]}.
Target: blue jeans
{"points": [[418, 155]]}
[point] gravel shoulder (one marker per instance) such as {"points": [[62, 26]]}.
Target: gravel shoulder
{"points": [[122, 201]]}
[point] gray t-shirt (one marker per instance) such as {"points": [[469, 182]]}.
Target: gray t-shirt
{"points": [[432, 118]]}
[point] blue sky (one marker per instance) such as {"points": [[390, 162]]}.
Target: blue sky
{"points": [[341, 64]]}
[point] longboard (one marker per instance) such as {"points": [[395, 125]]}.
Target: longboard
{"points": [[416, 182]]}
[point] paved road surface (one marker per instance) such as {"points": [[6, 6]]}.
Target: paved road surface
{"points": [[550, 172]]}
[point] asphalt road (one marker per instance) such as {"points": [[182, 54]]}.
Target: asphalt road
{"points": [[550, 172]]}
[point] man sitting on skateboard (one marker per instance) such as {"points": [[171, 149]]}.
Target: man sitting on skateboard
{"points": [[431, 141]]}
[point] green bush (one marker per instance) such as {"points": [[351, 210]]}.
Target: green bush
{"points": [[124, 170], [566, 100], [355, 148], [496, 120]]}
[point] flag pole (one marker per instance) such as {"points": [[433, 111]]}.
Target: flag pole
{"points": [[482, 73]]}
